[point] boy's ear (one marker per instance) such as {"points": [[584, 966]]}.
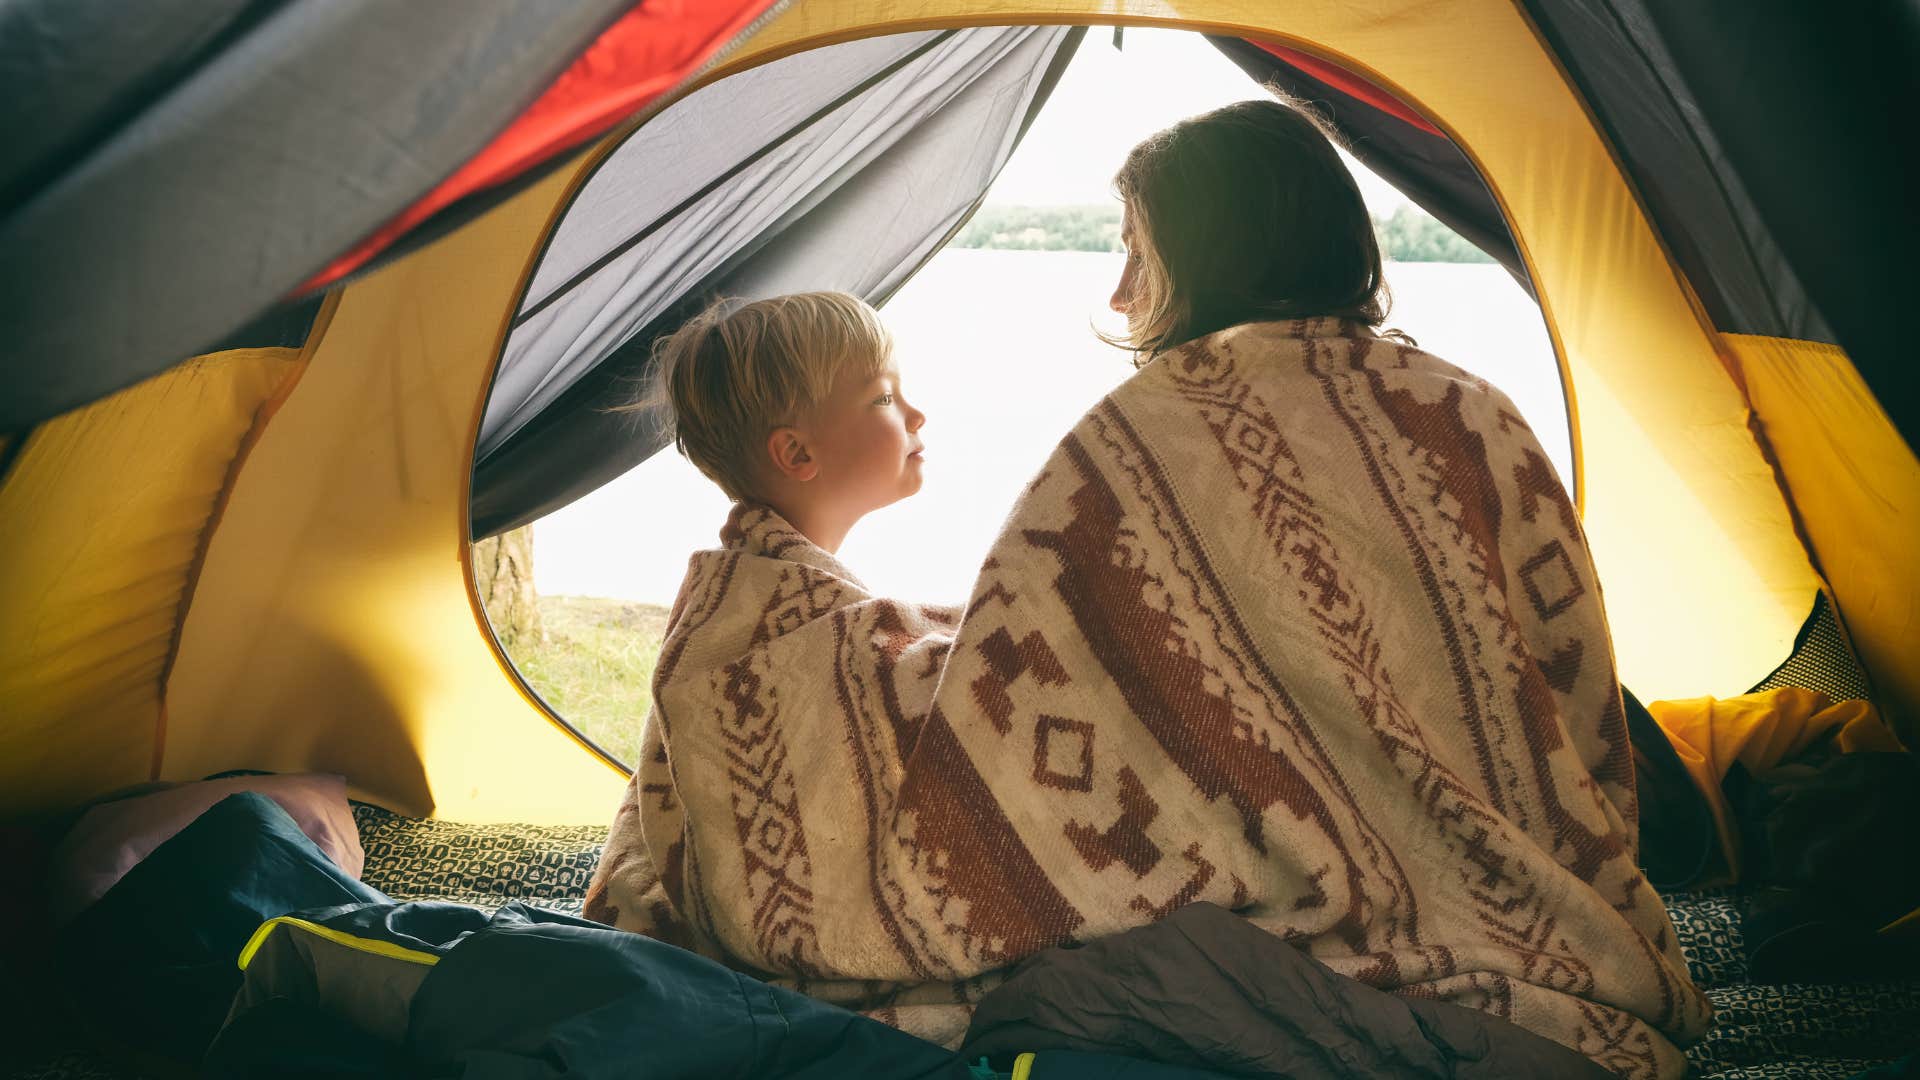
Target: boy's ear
{"points": [[787, 448]]}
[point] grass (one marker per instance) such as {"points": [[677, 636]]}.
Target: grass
{"points": [[596, 667]]}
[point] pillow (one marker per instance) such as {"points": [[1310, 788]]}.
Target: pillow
{"points": [[111, 837]]}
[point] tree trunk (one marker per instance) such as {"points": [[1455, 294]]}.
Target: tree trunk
{"points": [[503, 575]]}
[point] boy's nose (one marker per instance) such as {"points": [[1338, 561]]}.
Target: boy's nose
{"points": [[915, 418]]}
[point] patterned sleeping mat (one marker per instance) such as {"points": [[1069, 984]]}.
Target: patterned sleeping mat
{"points": [[1761, 1030]]}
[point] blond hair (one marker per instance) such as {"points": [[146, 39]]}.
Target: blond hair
{"points": [[739, 370]]}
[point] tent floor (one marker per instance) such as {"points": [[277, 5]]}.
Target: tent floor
{"points": [[1762, 1030]]}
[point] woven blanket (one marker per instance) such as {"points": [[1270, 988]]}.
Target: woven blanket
{"points": [[1297, 620]]}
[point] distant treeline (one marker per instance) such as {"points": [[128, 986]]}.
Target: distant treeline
{"points": [[1406, 235], [1410, 235], [1043, 228]]}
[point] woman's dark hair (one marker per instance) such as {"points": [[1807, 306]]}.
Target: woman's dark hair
{"points": [[1245, 214]]}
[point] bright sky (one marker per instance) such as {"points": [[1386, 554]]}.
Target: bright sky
{"points": [[1111, 99], [984, 443]]}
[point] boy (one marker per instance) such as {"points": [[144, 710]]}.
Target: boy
{"points": [[794, 403], [793, 406]]}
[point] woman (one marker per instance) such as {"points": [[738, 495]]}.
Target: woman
{"points": [[1298, 620]]}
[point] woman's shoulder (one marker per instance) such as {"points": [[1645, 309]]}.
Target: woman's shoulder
{"points": [[1322, 347], [1325, 361]]}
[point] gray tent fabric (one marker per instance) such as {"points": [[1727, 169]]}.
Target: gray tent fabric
{"points": [[840, 168], [75, 69], [1622, 66], [1770, 142], [198, 182], [640, 237]]}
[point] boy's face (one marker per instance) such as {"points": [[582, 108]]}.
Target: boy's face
{"points": [[865, 440]]}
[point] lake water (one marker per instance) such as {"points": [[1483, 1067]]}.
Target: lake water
{"points": [[996, 347]]}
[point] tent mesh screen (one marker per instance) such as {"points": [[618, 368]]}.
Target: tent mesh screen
{"points": [[1821, 660]]}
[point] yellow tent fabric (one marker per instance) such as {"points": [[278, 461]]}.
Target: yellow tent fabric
{"points": [[1856, 487], [1759, 731], [104, 513], [333, 623]]}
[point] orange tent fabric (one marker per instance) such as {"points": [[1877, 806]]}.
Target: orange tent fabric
{"points": [[1760, 731]]}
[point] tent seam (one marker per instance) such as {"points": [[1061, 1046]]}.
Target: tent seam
{"points": [[607, 258], [1600, 130], [1693, 137], [13, 450], [262, 416], [1757, 427], [585, 165]]}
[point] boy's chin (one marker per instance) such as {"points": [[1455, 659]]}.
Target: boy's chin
{"points": [[909, 487]]}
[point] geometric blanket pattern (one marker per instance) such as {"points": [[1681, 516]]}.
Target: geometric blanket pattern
{"points": [[1297, 620]]}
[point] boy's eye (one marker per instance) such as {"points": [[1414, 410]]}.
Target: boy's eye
{"points": [[883, 399]]}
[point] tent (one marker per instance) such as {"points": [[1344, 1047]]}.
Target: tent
{"points": [[407, 250]]}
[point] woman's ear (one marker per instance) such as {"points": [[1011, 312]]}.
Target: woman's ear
{"points": [[787, 449]]}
